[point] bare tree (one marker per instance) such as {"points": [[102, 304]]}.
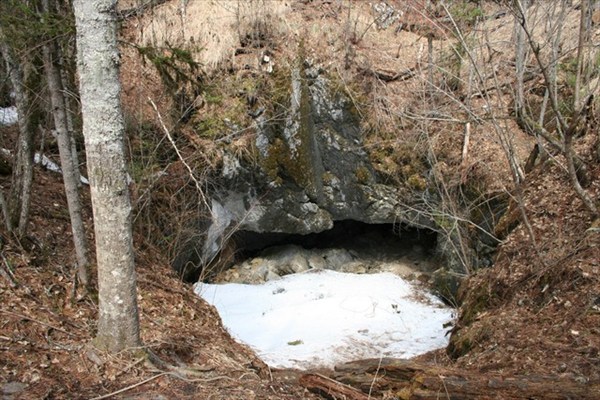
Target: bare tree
{"points": [[19, 72], [565, 129], [520, 60], [103, 129], [69, 167]]}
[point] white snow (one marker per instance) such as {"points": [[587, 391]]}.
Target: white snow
{"points": [[46, 163], [321, 318], [52, 166], [8, 116]]}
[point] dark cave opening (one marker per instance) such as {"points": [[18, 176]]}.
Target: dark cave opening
{"points": [[385, 240]]}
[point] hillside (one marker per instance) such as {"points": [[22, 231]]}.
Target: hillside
{"points": [[256, 123]]}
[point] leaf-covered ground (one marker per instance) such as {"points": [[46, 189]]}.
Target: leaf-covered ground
{"points": [[46, 329]]}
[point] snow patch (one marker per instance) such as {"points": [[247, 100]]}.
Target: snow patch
{"points": [[46, 163], [52, 166], [8, 116], [321, 318]]}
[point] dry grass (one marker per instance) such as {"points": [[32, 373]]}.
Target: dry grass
{"points": [[213, 28]]}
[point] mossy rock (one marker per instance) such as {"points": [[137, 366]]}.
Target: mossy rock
{"points": [[475, 299], [363, 175], [446, 284], [463, 341]]}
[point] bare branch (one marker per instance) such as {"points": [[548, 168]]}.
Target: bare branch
{"points": [[187, 166]]}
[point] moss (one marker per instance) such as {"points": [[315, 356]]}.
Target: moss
{"points": [[362, 175], [417, 182], [479, 299], [295, 162], [350, 89], [271, 163], [463, 341], [328, 178], [218, 119]]}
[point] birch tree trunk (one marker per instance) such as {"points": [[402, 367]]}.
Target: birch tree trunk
{"points": [[70, 177], [103, 130]]}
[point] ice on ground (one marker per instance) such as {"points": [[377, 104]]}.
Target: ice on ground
{"points": [[322, 318], [54, 167], [8, 116]]}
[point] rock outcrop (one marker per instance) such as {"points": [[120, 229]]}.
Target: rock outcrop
{"points": [[310, 170]]}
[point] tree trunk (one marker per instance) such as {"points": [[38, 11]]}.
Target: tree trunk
{"points": [[70, 178], [583, 71], [70, 123], [103, 130], [22, 178], [520, 56]]}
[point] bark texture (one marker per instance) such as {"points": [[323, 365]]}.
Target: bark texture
{"points": [[22, 177], [103, 129], [409, 380], [70, 177]]}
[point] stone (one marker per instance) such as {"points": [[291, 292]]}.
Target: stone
{"points": [[13, 388], [336, 259], [311, 169]]}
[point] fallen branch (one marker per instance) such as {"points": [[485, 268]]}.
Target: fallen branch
{"points": [[389, 76], [506, 86], [410, 380], [330, 388]]}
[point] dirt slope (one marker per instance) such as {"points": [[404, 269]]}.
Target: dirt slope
{"points": [[538, 309], [45, 329]]}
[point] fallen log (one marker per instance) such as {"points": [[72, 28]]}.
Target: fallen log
{"points": [[412, 381], [330, 388], [389, 76]]}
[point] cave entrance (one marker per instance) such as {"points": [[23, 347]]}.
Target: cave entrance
{"points": [[352, 292], [350, 246]]}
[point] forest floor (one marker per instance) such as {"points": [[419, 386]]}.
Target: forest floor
{"points": [[537, 315], [46, 328]]}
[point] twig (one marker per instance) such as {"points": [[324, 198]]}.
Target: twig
{"points": [[375, 377], [37, 321], [106, 396], [205, 380], [7, 273], [190, 171]]}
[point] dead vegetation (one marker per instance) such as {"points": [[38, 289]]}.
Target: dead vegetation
{"points": [[537, 311], [46, 329]]}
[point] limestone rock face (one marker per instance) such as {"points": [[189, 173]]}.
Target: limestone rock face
{"points": [[312, 167]]}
